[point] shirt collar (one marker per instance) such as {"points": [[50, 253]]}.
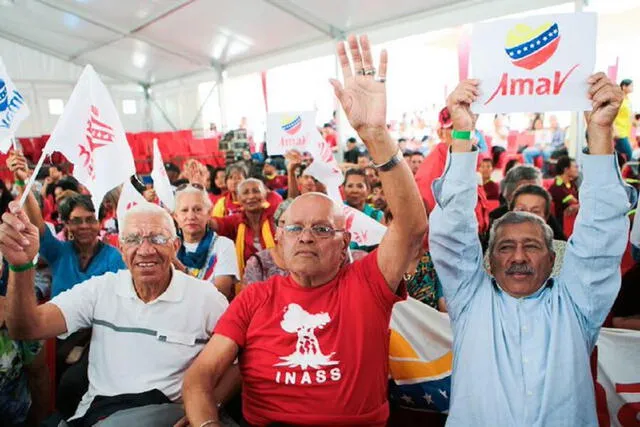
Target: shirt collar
{"points": [[548, 284], [173, 293]]}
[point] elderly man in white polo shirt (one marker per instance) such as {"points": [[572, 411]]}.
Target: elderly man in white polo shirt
{"points": [[149, 321]]}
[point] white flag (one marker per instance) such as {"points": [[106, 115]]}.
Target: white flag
{"points": [[129, 197], [365, 231], [13, 109], [161, 182], [90, 135]]}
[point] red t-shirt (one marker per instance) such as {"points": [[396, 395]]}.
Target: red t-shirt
{"points": [[492, 190], [277, 182], [315, 356]]}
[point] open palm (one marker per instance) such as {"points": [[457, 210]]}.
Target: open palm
{"points": [[363, 98]]}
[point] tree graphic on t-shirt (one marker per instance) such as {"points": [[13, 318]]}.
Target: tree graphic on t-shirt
{"points": [[308, 352]]}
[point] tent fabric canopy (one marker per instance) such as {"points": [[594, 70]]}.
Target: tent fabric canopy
{"points": [[152, 42]]}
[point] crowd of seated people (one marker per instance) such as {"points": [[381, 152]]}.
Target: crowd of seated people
{"points": [[130, 305]]}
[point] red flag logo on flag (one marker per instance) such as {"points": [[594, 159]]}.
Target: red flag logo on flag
{"points": [[98, 135]]}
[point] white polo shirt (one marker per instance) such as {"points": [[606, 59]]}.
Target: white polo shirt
{"points": [[136, 347]]}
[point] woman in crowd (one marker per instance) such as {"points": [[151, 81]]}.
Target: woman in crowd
{"points": [[203, 253], [83, 256], [230, 204], [356, 192], [253, 228], [267, 262]]}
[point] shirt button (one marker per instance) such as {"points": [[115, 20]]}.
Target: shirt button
{"points": [[529, 393], [525, 329], [525, 360]]}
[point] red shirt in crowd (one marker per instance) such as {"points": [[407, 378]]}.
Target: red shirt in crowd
{"points": [[431, 169], [315, 356], [228, 227], [492, 190], [276, 182], [562, 195]]}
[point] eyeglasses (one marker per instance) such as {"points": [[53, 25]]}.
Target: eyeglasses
{"points": [[78, 220], [190, 184], [319, 231], [137, 239]]}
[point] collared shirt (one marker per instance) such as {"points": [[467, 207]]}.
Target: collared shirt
{"points": [[138, 346], [525, 362]]}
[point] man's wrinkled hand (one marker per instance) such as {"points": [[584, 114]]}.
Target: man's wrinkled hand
{"points": [[364, 95], [606, 98], [459, 105], [19, 239]]}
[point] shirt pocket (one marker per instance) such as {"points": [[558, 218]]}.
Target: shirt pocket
{"points": [[175, 337]]}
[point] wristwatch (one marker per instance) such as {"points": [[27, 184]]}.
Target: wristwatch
{"points": [[396, 159]]}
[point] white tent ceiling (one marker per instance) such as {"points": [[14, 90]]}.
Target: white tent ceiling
{"points": [[155, 41]]}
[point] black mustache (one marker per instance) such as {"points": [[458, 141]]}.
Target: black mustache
{"points": [[520, 269]]}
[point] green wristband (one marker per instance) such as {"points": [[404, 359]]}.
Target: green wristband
{"points": [[461, 134], [21, 268], [19, 183]]}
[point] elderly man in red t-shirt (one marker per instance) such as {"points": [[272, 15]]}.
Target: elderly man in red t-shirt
{"points": [[313, 346]]}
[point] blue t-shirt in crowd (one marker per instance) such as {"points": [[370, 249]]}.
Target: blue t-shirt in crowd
{"points": [[65, 265]]}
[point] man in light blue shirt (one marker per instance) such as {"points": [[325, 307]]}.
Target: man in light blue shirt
{"points": [[522, 339]]}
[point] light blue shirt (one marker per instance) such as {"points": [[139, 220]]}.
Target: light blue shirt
{"points": [[525, 362]]}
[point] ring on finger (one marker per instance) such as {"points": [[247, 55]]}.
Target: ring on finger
{"points": [[381, 80], [370, 72], [361, 72]]}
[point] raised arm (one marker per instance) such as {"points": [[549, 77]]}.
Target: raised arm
{"points": [[364, 101], [294, 161], [591, 267], [17, 163], [19, 244], [453, 235], [209, 380]]}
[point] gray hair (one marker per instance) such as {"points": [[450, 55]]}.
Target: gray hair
{"points": [[516, 175], [518, 217], [245, 182], [151, 209], [193, 190]]}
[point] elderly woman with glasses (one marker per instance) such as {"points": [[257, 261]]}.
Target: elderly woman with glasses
{"points": [[83, 255], [253, 228], [229, 203], [204, 254]]}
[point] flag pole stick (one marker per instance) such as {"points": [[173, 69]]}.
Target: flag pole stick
{"points": [[13, 143], [27, 188]]}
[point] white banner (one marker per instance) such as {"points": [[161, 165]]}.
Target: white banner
{"points": [[618, 390], [534, 63], [289, 131], [90, 135], [13, 109], [420, 362]]}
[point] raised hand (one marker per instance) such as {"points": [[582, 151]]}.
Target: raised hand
{"points": [[19, 239], [459, 105], [363, 97], [294, 160], [17, 164], [606, 98]]}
